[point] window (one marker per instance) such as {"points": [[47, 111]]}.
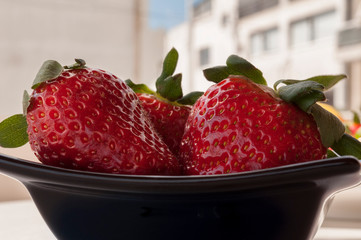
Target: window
{"points": [[204, 56], [264, 41], [324, 25], [312, 28], [246, 7], [225, 20], [301, 32], [271, 39], [201, 7]]}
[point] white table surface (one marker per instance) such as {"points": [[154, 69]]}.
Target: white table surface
{"points": [[20, 220]]}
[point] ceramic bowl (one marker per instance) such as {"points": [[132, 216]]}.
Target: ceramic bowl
{"points": [[281, 203]]}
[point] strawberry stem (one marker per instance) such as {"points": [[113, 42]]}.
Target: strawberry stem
{"points": [[169, 65], [79, 63], [170, 88], [190, 98], [168, 85]]}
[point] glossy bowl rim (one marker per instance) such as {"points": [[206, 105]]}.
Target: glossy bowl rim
{"points": [[30, 172]]}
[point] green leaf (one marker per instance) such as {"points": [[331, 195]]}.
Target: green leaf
{"points": [[79, 63], [190, 98], [138, 88], [216, 74], [306, 101], [297, 89], [170, 88], [330, 127], [327, 81], [303, 94], [26, 103], [240, 66], [331, 153], [49, 70], [13, 131], [169, 65], [347, 145]]}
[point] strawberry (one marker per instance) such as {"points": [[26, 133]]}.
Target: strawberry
{"points": [[167, 108], [88, 119], [168, 119], [240, 124]]}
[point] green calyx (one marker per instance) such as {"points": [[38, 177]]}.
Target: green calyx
{"points": [[13, 130], [168, 85], [235, 65], [79, 64], [303, 93], [48, 71], [347, 145], [51, 69], [306, 92], [139, 88]]}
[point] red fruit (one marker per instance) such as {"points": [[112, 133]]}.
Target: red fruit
{"points": [[167, 108], [168, 118], [88, 119], [238, 125]]}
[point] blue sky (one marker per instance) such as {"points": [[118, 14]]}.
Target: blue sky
{"points": [[166, 13]]}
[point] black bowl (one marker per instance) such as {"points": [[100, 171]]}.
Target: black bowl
{"points": [[281, 203]]}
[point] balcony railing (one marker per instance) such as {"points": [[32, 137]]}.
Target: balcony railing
{"points": [[247, 7], [350, 35]]}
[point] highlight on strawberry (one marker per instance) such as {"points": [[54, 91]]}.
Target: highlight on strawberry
{"points": [[241, 124], [167, 107], [87, 119]]}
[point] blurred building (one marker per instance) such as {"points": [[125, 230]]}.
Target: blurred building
{"points": [[293, 39], [284, 38]]}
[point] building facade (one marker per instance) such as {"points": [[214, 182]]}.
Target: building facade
{"points": [[293, 39]]}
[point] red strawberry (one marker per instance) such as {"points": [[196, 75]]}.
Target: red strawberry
{"points": [[240, 125], [167, 108], [168, 119], [89, 119]]}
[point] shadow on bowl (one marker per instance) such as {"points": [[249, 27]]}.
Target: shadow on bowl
{"points": [[281, 203]]}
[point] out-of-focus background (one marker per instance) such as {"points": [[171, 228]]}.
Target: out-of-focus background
{"points": [[284, 38]]}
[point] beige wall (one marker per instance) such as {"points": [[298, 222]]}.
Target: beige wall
{"points": [[108, 34]]}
